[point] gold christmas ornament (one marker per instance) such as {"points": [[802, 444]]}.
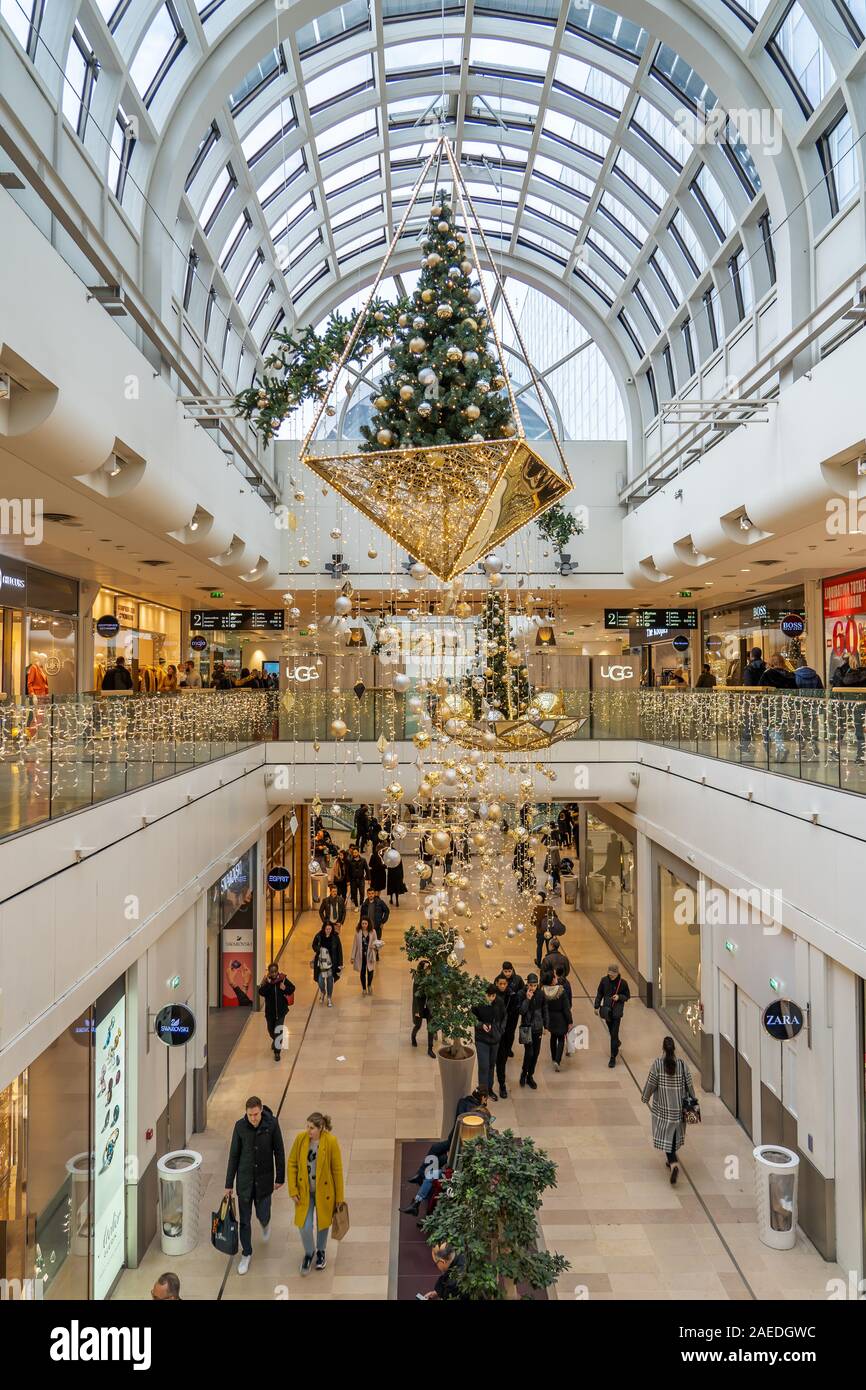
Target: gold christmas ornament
{"points": [[417, 345], [381, 402], [427, 296]]}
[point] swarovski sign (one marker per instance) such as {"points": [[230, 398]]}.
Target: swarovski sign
{"points": [[302, 673], [617, 673]]}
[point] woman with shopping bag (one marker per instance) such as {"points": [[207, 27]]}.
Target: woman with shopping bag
{"points": [[670, 1090], [315, 1182]]}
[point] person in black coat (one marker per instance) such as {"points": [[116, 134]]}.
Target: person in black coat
{"points": [[509, 984], [357, 876], [557, 1018], [530, 1012], [488, 1033], [117, 677], [611, 998], [327, 961], [257, 1166], [377, 874], [376, 910], [755, 668], [362, 827], [555, 959], [546, 924], [276, 989], [395, 883], [333, 908], [420, 1012]]}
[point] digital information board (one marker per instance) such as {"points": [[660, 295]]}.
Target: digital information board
{"points": [[237, 619], [623, 618]]}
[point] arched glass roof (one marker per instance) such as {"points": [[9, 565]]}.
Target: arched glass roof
{"points": [[264, 155]]}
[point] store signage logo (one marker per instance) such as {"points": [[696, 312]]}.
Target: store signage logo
{"points": [[793, 625], [279, 880], [617, 673], [236, 872], [107, 625], [22, 516], [302, 673], [680, 644], [175, 1025], [783, 1019], [12, 581]]}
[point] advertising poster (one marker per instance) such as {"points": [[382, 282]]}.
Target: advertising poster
{"points": [[844, 618], [109, 1141], [237, 962]]}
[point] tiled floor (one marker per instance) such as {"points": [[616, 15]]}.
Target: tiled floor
{"points": [[613, 1214]]}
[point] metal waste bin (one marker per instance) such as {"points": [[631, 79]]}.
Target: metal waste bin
{"points": [[179, 1176], [776, 1181], [569, 890]]}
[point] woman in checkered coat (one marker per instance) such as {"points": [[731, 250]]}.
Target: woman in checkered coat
{"points": [[668, 1084]]}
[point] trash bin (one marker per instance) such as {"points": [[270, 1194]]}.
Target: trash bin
{"points": [[776, 1180], [569, 890], [179, 1176]]}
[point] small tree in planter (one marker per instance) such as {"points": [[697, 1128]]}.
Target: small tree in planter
{"points": [[489, 1214], [450, 993]]}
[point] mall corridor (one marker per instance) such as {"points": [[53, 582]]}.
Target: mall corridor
{"points": [[626, 1233]]}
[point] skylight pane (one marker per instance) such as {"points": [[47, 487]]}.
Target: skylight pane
{"points": [[153, 50], [580, 77], [639, 174], [577, 132], [690, 239], [662, 130], [563, 174], [265, 130], [362, 169], [622, 214], [431, 53], [716, 199], [17, 15], [283, 172], [354, 128], [337, 81], [805, 55], [684, 78], [504, 53], [213, 198]]}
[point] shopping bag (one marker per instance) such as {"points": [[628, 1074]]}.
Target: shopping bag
{"points": [[224, 1228], [571, 1040], [340, 1221]]}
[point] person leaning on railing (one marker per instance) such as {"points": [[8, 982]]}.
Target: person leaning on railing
{"points": [[851, 675]]}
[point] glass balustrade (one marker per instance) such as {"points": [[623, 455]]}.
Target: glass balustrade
{"points": [[62, 753]]}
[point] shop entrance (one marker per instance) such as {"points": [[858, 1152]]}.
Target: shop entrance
{"points": [[739, 1054]]}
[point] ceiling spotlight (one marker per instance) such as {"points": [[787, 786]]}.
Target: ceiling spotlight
{"points": [[746, 523], [545, 637]]}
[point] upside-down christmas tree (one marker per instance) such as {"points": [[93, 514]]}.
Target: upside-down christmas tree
{"points": [[444, 384]]}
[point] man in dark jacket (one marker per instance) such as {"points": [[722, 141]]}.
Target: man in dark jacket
{"points": [[117, 677], [611, 998], [276, 990], [488, 1034], [555, 959], [333, 908], [362, 827], [375, 911], [755, 668], [357, 868], [806, 677], [509, 984], [546, 924], [257, 1163]]}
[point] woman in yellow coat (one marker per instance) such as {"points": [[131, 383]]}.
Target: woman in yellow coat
{"points": [[315, 1182]]}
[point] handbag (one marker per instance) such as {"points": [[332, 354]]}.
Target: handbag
{"points": [[340, 1221], [224, 1228], [525, 1034], [691, 1104]]}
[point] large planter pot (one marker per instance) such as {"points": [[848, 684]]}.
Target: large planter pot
{"points": [[456, 1076]]}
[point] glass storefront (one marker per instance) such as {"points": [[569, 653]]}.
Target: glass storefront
{"points": [[844, 619], [281, 907], [148, 639], [231, 959], [38, 631], [678, 957], [729, 634], [608, 868]]}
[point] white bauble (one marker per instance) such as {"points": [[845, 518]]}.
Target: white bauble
{"points": [[338, 728], [342, 605], [390, 760], [449, 776], [414, 704], [391, 858], [493, 564], [441, 841], [495, 580], [419, 570], [400, 682]]}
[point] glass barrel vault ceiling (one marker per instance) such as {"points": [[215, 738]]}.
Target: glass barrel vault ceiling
{"points": [[579, 134]]}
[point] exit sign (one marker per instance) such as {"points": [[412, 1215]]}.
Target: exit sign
{"points": [[217, 593], [684, 593]]}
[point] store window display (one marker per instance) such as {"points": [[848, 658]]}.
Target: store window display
{"points": [[608, 863], [729, 634], [280, 915], [679, 957], [148, 639]]}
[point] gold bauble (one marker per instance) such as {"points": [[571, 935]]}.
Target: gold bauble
{"points": [[471, 323], [406, 393], [427, 296], [304, 561], [403, 320], [466, 267], [444, 311], [338, 728], [395, 791], [381, 402], [417, 345], [434, 777], [472, 412], [384, 437], [421, 739], [462, 609]]}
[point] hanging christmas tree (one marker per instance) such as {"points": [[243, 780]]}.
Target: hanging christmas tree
{"points": [[499, 681], [444, 384]]}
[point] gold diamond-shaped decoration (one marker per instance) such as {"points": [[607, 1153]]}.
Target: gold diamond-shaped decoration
{"points": [[524, 734], [447, 506]]}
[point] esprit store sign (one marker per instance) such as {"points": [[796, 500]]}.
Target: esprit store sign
{"points": [[617, 673], [302, 673]]}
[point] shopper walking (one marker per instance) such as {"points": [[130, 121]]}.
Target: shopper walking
{"points": [[420, 1012], [278, 993], [377, 874], [488, 1031], [327, 961], [530, 1009], [365, 955], [357, 868], [554, 959], [362, 827], [557, 1018], [340, 874], [395, 883], [333, 908], [509, 984], [374, 909], [117, 677], [315, 1186], [668, 1086], [611, 998], [257, 1166]]}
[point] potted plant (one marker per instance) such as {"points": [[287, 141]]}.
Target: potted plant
{"points": [[557, 526], [489, 1214], [450, 993]]}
